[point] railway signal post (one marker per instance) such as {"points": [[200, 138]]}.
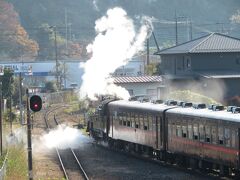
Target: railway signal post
{"points": [[35, 104]]}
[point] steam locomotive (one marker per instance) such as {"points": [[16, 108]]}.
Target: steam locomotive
{"points": [[191, 135]]}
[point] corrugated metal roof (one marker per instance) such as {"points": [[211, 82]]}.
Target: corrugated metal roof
{"points": [[220, 74], [211, 43], [137, 79]]}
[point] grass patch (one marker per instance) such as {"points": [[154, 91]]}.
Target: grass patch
{"points": [[72, 109], [17, 163], [2, 158]]}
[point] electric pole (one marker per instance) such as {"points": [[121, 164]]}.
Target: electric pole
{"points": [[29, 140], [56, 54], [1, 145], [176, 28]]}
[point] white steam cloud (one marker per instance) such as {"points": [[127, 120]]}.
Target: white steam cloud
{"points": [[62, 137], [116, 42]]}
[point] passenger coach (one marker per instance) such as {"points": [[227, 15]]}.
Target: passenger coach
{"points": [[193, 137]]}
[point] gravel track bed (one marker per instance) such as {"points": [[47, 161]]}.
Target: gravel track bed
{"points": [[101, 163]]}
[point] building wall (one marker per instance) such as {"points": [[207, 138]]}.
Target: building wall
{"points": [[44, 70], [215, 61], [187, 64], [155, 90]]}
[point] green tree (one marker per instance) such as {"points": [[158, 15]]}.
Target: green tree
{"points": [[7, 83], [50, 86]]}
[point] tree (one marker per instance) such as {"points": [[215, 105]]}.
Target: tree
{"points": [[236, 17], [47, 47], [152, 69], [50, 86], [15, 42], [7, 83]]}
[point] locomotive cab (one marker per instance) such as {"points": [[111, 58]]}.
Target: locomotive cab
{"points": [[98, 122]]}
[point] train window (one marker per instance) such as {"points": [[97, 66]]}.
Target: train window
{"points": [[227, 137], [179, 131], [184, 131], [201, 132], [208, 134], [195, 131], [141, 121], [233, 138], [214, 134], [146, 123], [174, 129], [119, 119], [220, 135], [133, 119], [136, 121], [150, 119], [190, 133], [128, 119], [169, 130]]}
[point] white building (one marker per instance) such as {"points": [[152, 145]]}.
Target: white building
{"points": [[151, 86]]}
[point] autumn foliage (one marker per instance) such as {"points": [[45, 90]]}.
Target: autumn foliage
{"points": [[15, 42]]}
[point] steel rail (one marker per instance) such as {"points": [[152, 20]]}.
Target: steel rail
{"points": [[82, 171], [62, 165], [79, 164], [48, 128]]}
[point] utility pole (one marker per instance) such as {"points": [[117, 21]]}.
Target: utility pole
{"points": [[147, 51], [20, 97], [191, 33], [10, 115], [66, 29], [155, 40], [64, 72], [56, 54], [176, 27], [1, 145], [29, 138]]}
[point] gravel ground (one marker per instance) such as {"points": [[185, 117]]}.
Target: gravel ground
{"points": [[101, 163]]}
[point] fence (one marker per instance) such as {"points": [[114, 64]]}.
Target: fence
{"points": [[4, 168]]}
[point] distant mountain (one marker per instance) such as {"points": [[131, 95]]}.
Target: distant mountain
{"points": [[80, 15]]}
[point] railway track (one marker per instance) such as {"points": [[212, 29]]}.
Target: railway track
{"points": [[71, 166]]}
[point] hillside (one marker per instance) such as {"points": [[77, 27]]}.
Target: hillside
{"points": [[80, 15]]}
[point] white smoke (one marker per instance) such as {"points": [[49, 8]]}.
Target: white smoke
{"points": [[62, 137], [95, 5], [116, 42]]}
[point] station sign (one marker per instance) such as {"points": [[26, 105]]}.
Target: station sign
{"points": [[16, 68]]}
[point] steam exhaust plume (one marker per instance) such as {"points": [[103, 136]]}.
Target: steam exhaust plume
{"points": [[115, 43], [62, 137]]}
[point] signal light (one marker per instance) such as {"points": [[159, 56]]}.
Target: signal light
{"points": [[35, 103]]}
